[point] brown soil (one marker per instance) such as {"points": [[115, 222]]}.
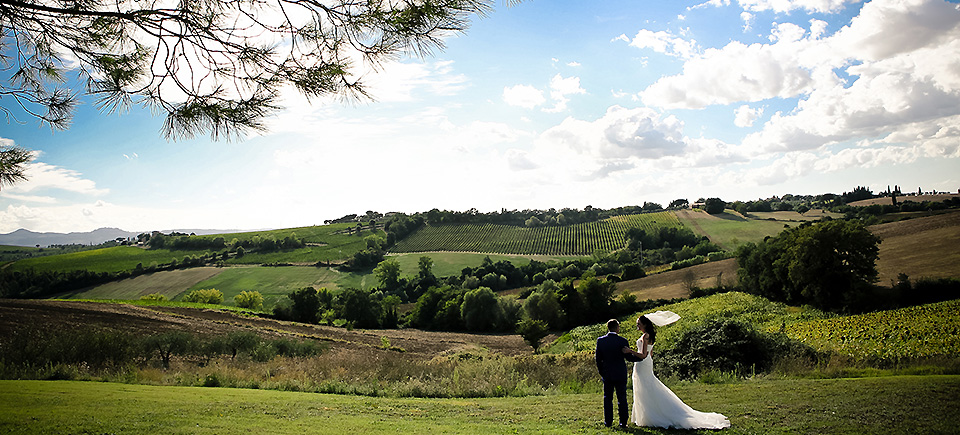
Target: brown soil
{"points": [[45, 314], [901, 199], [676, 283]]}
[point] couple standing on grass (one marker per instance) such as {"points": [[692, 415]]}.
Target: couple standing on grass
{"points": [[653, 403]]}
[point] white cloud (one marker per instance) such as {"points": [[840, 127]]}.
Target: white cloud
{"points": [[710, 3], [663, 42], [615, 141], [744, 116], [783, 6], [519, 160], [560, 88], [900, 83], [525, 96], [42, 176], [737, 72], [748, 19]]}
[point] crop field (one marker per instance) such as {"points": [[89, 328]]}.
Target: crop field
{"points": [[919, 247], [118, 258], [579, 239], [920, 331], [729, 229]]}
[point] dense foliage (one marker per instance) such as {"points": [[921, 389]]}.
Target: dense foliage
{"points": [[828, 265], [728, 346]]}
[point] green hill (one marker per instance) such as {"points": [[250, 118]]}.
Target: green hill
{"points": [[579, 239]]}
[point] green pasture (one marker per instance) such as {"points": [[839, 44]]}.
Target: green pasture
{"points": [[889, 405], [731, 230], [114, 259]]}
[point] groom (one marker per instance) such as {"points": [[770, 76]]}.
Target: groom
{"points": [[613, 371]]}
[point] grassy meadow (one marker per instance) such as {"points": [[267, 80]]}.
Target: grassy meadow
{"points": [[889, 405]]}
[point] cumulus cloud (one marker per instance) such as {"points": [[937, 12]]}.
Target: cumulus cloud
{"points": [[893, 68], [617, 141], [745, 116], [525, 96], [899, 84], [560, 88], [740, 72], [663, 42]]}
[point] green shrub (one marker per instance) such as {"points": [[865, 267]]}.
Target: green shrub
{"points": [[727, 346], [249, 299], [205, 296], [153, 297]]}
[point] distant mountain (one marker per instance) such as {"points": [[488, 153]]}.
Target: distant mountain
{"points": [[23, 237]]}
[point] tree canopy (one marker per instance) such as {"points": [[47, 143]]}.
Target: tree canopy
{"points": [[212, 66], [826, 264]]}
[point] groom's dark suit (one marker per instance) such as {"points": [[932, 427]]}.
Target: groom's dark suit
{"points": [[611, 362]]}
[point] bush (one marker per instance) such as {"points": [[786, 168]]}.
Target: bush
{"points": [[205, 296], [153, 297], [728, 346], [251, 299]]}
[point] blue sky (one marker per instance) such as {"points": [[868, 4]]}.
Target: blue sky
{"points": [[548, 104]]}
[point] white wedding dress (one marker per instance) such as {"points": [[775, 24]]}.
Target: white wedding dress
{"points": [[655, 405]]}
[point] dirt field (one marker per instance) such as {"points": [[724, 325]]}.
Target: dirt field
{"points": [[676, 283], [920, 247], [15, 313], [900, 199]]}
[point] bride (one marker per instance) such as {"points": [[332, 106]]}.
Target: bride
{"points": [[653, 403]]}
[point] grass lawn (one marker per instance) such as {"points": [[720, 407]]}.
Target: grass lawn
{"points": [[888, 405]]}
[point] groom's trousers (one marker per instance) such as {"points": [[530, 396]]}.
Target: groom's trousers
{"points": [[621, 389]]}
